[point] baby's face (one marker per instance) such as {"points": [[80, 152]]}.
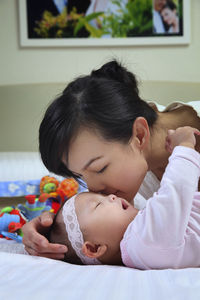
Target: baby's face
{"points": [[103, 219]]}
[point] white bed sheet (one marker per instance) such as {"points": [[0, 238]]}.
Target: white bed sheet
{"points": [[28, 277]]}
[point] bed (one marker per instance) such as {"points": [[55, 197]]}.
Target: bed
{"points": [[28, 277]]}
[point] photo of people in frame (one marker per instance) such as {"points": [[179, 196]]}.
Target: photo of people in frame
{"points": [[166, 17], [103, 18]]}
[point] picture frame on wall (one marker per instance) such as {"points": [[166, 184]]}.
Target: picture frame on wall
{"points": [[71, 23]]}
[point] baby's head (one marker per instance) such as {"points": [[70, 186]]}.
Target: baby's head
{"points": [[95, 225]]}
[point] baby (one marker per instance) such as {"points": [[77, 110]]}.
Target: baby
{"points": [[165, 234]]}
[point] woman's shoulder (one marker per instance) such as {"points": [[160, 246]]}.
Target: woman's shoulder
{"points": [[149, 185]]}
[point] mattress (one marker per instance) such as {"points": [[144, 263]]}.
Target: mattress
{"points": [[28, 277]]}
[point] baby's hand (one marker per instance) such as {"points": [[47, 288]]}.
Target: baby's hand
{"points": [[182, 136]]}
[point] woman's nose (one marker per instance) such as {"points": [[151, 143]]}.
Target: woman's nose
{"points": [[95, 188], [108, 191], [100, 187]]}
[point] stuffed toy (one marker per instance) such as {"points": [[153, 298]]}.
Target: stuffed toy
{"points": [[52, 194]]}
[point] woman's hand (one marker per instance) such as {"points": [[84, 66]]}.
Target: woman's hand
{"points": [[37, 244], [182, 136]]}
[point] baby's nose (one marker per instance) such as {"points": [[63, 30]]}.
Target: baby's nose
{"points": [[112, 197]]}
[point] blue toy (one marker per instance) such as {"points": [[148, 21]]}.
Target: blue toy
{"points": [[33, 207], [12, 219], [6, 219], [10, 223]]}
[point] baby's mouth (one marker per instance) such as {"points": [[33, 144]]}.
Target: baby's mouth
{"points": [[124, 204]]}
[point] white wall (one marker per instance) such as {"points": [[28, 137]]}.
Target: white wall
{"points": [[38, 65]]}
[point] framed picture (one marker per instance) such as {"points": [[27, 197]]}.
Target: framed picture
{"points": [[103, 22]]}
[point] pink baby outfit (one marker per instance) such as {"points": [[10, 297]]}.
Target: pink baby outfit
{"points": [[166, 233]]}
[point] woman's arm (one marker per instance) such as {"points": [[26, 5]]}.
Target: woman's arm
{"points": [[35, 241]]}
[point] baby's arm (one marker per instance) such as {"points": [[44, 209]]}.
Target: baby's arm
{"points": [[167, 212]]}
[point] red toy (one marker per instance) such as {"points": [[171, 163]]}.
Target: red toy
{"points": [[52, 194], [50, 187], [11, 222]]}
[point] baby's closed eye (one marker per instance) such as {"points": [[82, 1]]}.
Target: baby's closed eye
{"points": [[98, 204]]}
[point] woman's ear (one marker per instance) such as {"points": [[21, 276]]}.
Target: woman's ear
{"points": [[140, 133], [92, 250]]}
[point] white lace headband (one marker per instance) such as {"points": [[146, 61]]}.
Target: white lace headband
{"points": [[74, 233]]}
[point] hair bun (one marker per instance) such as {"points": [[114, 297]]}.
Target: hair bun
{"points": [[113, 70]]}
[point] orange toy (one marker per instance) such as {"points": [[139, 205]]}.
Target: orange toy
{"points": [[68, 187], [51, 187], [46, 180]]}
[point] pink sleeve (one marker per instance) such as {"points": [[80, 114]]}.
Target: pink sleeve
{"points": [[162, 224], [167, 212]]}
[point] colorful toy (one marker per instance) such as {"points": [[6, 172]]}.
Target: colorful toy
{"points": [[11, 222], [64, 189], [52, 194], [8, 221], [33, 207], [49, 186], [67, 188], [55, 192]]}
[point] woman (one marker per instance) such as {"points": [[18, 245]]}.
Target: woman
{"points": [[169, 15], [100, 130]]}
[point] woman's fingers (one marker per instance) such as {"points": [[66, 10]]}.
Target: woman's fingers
{"points": [[46, 219], [55, 255], [40, 246], [47, 255], [32, 234], [37, 244]]}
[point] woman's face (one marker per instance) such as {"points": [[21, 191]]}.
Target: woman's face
{"points": [[168, 15], [107, 167]]}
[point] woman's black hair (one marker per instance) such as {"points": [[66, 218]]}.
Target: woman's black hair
{"points": [[107, 100], [170, 4]]}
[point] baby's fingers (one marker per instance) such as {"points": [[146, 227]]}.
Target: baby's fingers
{"points": [[196, 131], [168, 144], [171, 131]]}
